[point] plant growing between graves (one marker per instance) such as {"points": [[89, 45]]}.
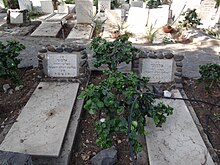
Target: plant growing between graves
{"points": [[153, 3], [119, 99], [9, 61], [151, 33]]}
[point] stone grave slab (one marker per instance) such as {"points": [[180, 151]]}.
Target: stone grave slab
{"points": [[62, 65], [178, 141], [104, 4], [49, 29], [25, 4], [80, 32], [41, 126], [159, 70], [57, 17], [47, 6], [84, 11]]}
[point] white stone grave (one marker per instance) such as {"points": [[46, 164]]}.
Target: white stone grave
{"points": [[84, 11], [137, 4], [80, 32], [114, 17], [178, 141], [103, 5], [47, 6], [42, 124], [63, 9], [25, 4], [62, 65], [16, 17], [2, 5], [158, 70]]}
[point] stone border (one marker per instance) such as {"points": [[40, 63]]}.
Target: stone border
{"points": [[137, 65]]}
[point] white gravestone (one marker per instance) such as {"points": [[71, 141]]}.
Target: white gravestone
{"points": [[25, 4], [114, 17], [62, 65], [137, 4], [47, 6], [104, 5], [63, 9], [2, 4], [158, 70], [84, 11], [16, 17]]}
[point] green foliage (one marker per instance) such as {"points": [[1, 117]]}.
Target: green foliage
{"points": [[191, 19], [8, 59], [115, 4], [210, 73], [167, 40], [113, 99], [217, 3], [35, 14], [70, 1], [112, 53], [213, 32], [153, 3], [151, 33]]}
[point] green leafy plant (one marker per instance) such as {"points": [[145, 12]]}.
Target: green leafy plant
{"points": [[9, 61], [112, 53], [151, 33], [210, 73], [153, 3], [213, 32], [167, 40], [98, 26], [191, 19], [113, 99], [115, 4]]}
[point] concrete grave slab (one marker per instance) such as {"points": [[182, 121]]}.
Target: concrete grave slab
{"points": [[57, 17], [84, 11], [49, 29], [159, 70], [25, 4], [79, 32], [47, 6], [178, 141], [41, 126]]}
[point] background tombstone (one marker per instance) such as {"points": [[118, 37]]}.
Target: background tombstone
{"points": [[47, 6], [104, 5], [25, 4], [2, 4], [137, 4], [84, 11]]}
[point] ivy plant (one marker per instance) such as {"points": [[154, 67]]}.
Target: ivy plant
{"points": [[9, 61], [113, 99], [112, 53], [210, 73]]}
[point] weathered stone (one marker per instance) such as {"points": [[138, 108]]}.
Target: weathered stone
{"points": [[105, 157], [59, 49], [78, 48], [179, 85], [9, 158], [179, 69], [6, 87], [82, 63], [160, 55], [179, 64], [178, 74], [142, 54], [43, 50], [68, 49], [178, 57], [178, 79], [17, 88], [168, 55], [152, 55], [11, 91], [51, 48]]}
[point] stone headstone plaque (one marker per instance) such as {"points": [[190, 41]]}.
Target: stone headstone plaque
{"points": [[62, 65], [158, 70], [25, 4], [84, 11], [104, 4], [114, 17], [47, 6]]}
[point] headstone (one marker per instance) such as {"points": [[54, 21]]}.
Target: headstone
{"points": [[63, 9], [42, 123], [114, 17], [137, 4], [84, 11], [16, 17], [208, 13], [125, 6], [2, 5], [47, 6], [25, 4], [104, 4], [62, 65], [158, 70]]}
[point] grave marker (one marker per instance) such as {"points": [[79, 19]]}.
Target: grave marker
{"points": [[47, 6], [159, 70], [114, 17], [62, 65], [104, 5], [25, 4], [84, 11], [137, 4]]}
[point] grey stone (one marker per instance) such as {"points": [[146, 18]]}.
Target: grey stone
{"points": [[17, 88], [84, 53], [68, 49], [179, 69], [178, 74], [179, 64], [105, 157], [78, 48], [11, 158], [160, 55], [6, 87], [178, 57], [82, 63], [11, 91], [168, 55], [59, 49], [178, 79], [179, 85], [43, 50], [51, 48], [142, 54], [152, 55]]}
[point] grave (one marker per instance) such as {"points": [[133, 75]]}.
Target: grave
{"points": [[49, 29], [25, 4], [178, 141], [15, 16], [84, 11], [63, 9], [41, 126], [47, 6], [103, 5], [80, 32]]}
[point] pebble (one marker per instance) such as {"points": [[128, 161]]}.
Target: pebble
{"points": [[10, 91], [178, 57], [51, 48], [168, 55], [167, 93], [68, 49], [43, 50], [6, 87], [59, 50], [160, 55], [179, 64], [17, 88], [178, 80], [178, 74]]}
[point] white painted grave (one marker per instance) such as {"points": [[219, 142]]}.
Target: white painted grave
{"points": [[25, 4], [42, 124], [158, 70], [84, 11], [178, 141], [47, 6], [104, 5], [62, 65]]}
